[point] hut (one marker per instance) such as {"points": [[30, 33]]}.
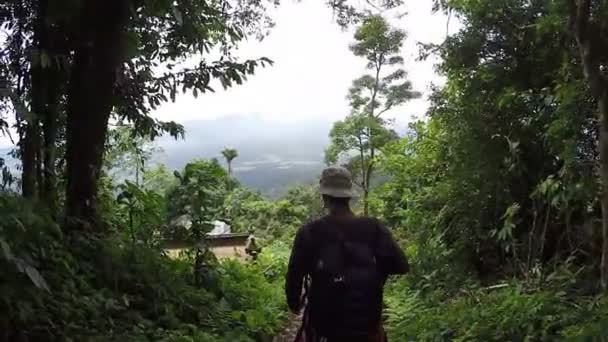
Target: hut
{"points": [[220, 240]]}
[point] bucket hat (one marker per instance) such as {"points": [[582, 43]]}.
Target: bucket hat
{"points": [[336, 182]]}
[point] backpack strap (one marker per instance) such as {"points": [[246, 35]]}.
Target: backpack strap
{"points": [[373, 245], [305, 316]]}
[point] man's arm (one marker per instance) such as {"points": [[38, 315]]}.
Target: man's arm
{"points": [[391, 258], [297, 270]]}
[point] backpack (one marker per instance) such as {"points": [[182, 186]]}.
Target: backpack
{"points": [[345, 295]]}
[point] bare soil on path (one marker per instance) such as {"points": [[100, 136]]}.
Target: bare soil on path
{"points": [[290, 331]]}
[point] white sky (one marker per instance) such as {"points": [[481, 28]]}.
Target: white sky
{"points": [[313, 68]]}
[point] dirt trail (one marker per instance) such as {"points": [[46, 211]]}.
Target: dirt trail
{"points": [[290, 331]]}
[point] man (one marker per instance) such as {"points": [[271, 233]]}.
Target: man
{"points": [[347, 259], [251, 247]]}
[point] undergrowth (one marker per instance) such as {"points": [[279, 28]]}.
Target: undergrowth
{"points": [[71, 287], [68, 287], [508, 313]]}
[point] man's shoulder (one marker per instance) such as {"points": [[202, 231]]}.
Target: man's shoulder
{"points": [[309, 227], [322, 225], [306, 229], [370, 221]]}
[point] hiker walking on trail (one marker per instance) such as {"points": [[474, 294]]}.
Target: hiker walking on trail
{"points": [[341, 263]]}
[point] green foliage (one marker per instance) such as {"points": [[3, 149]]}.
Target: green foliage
{"points": [[348, 12], [127, 154], [501, 173], [199, 196], [509, 314], [246, 209], [57, 287], [259, 308], [497, 186], [155, 49], [143, 212], [349, 139], [359, 139], [168, 33], [230, 154], [159, 180], [380, 45], [272, 220]]}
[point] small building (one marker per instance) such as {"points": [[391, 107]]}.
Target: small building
{"points": [[220, 240], [224, 246], [220, 228]]}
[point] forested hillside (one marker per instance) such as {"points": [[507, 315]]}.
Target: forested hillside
{"points": [[273, 156], [498, 195]]}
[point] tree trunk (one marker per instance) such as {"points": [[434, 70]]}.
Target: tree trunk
{"points": [[52, 85], [368, 180], [367, 171], [364, 177], [365, 202], [45, 104], [90, 100], [603, 147], [50, 127], [39, 175], [28, 148], [592, 51]]}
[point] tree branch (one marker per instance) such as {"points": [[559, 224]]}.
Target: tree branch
{"points": [[374, 6], [20, 108], [386, 109]]}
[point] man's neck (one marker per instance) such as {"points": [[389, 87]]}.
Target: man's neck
{"points": [[341, 212]]}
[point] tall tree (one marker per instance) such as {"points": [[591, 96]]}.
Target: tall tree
{"points": [[589, 24], [364, 132], [52, 47], [230, 154], [34, 77], [199, 199], [158, 33], [66, 72], [127, 154], [49, 76], [502, 172], [18, 16], [100, 52]]}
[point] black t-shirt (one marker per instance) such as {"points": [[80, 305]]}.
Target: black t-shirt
{"points": [[389, 256]]}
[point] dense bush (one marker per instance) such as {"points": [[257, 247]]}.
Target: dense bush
{"points": [[498, 185], [507, 314], [71, 287]]}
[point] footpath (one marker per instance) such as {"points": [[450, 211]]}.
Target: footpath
{"points": [[290, 331]]}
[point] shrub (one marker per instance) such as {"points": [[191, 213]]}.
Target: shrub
{"points": [[76, 287], [509, 314]]}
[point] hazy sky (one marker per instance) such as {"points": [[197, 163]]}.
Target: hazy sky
{"points": [[313, 68]]}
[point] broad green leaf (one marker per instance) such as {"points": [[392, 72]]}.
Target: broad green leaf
{"points": [[36, 278], [6, 250]]}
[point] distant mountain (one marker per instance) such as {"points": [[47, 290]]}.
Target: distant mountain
{"points": [[273, 155]]}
